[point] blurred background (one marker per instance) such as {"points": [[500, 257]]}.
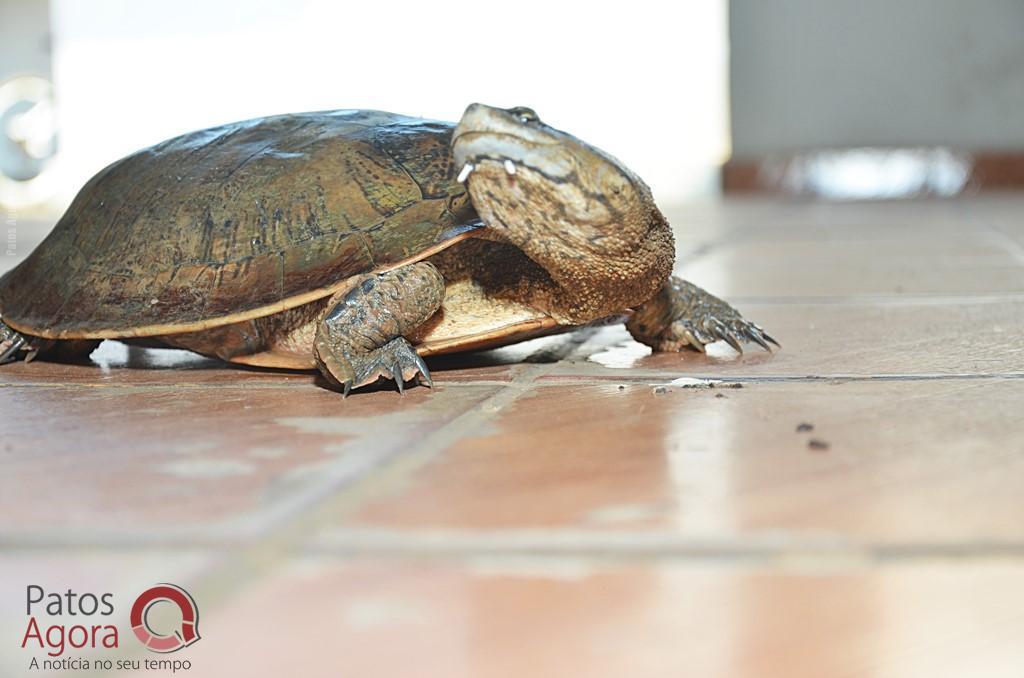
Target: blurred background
{"points": [[791, 95], [88, 82]]}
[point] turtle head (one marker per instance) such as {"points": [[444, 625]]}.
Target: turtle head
{"points": [[517, 168], [573, 209]]}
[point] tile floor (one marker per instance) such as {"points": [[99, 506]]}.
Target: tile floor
{"points": [[547, 510]]}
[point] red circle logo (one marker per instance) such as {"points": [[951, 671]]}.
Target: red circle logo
{"points": [[182, 636]]}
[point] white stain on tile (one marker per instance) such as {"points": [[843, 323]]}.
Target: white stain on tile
{"points": [[206, 468], [616, 514], [194, 447], [267, 452], [378, 613], [526, 567]]}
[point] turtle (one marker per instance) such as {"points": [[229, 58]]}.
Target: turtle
{"points": [[358, 242]]}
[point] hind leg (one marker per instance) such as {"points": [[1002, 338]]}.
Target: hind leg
{"points": [[15, 345]]}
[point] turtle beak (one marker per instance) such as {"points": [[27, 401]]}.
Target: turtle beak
{"points": [[486, 133], [479, 118]]}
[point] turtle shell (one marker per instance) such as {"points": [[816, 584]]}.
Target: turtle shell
{"points": [[238, 222]]}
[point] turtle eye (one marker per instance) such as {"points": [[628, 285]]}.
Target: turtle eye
{"points": [[524, 115]]}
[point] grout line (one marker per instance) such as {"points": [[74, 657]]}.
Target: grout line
{"points": [[645, 377], [599, 545], [551, 376], [648, 545], [881, 300]]}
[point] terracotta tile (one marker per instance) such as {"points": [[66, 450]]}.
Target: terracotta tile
{"points": [[492, 619], [116, 364], [94, 463], [754, 268], [713, 226], [782, 249], [474, 366], [905, 462]]}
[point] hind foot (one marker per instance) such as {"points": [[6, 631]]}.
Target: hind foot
{"points": [[683, 315], [15, 345]]}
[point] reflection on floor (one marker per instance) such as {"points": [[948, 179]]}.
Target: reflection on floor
{"points": [[850, 505]]}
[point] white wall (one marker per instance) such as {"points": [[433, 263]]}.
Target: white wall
{"points": [[809, 73], [645, 81]]}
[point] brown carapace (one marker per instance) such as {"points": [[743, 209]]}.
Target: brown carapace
{"points": [[356, 242]]}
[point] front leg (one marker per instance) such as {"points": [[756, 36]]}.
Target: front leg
{"points": [[684, 315], [362, 337]]}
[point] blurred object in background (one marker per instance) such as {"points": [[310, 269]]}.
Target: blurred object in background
{"points": [[647, 84], [862, 173], [28, 128], [876, 99]]}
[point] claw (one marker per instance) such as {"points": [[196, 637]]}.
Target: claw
{"points": [[756, 337], [688, 332], [396, 374], [768, 338], [731, 340], [718, 328], [11, 351], [424, 376], [753, 333]]}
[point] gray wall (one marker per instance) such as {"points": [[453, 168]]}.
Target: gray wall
{"points": [[24, 38], [812, 73]]}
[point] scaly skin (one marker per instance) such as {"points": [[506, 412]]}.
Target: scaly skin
{"points": [[682, 315], [583, 216], [362, 336]]}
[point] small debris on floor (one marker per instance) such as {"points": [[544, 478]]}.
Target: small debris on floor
{"points": [[817, 445], [690, 382], [803, 427], [621, 387], [721, 395], [659, 390]]}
